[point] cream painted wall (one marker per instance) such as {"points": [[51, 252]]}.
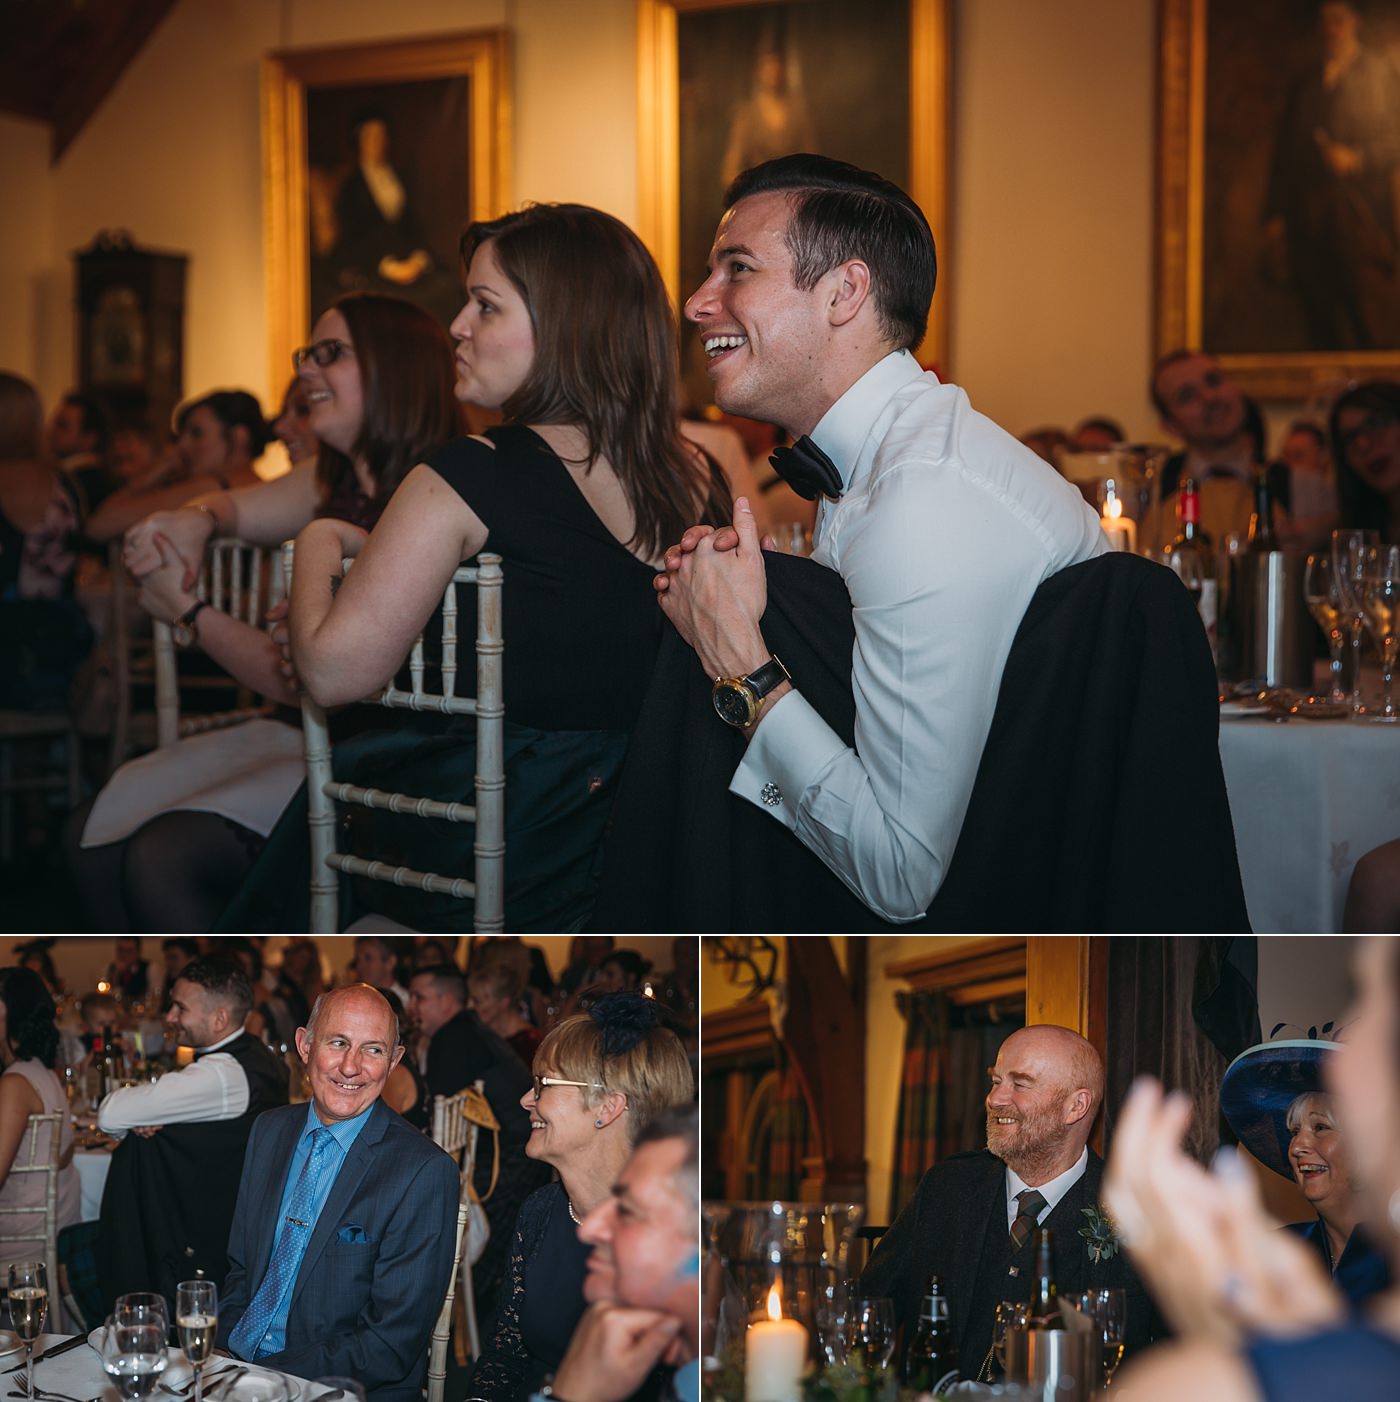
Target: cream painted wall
{"points": [[1050, 269], [174, 155], [26, 232]]}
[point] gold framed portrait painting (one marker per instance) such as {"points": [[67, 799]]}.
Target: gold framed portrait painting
{"points": [[725, 84], [375, 156], [1279, 189]]}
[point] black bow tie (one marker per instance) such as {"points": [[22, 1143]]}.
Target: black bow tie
{"points": [[807, 470]]}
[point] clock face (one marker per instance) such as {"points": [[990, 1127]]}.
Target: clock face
{"points": [[733, 705]]}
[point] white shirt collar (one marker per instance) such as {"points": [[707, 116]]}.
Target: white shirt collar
{"points": [[1052, 1191], [222, 1042], [846, 425]]}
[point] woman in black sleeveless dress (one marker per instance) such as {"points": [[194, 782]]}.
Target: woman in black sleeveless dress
{"points": [[567, 331]]}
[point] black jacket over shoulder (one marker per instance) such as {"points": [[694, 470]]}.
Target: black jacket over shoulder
{"points": [[955, 1227], [169, 1199], [1103, 754]]}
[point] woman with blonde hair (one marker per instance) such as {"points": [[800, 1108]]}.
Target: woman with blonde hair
{"points": [[599, 1079]]}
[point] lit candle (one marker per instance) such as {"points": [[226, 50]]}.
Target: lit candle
{"points": [[776, 1357], [184, 1056], [1121, 530]]}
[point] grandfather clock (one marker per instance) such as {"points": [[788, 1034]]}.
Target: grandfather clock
{"points": [[131, 327]]}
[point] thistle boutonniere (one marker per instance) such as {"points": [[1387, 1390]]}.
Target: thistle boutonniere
{"points": [[1101, 1241]]}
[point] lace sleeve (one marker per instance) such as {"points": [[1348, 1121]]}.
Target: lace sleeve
{"points": [[500, 1372]]}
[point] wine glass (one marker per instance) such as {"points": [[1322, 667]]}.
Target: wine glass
{"points": [[29, 1303], [833, 1317], [1348, 556], [1011, 1314], [197, 1320], [133, 1355], [1380, 592], [872, 1333], [1109, 1311], [1324, 596], [143, 1307]]}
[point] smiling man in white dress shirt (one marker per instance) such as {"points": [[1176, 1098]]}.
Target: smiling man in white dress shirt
{"points": [[940, 523]]}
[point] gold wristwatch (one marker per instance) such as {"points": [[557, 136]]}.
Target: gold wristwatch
{"points": [[738, 701], [182, 631]]}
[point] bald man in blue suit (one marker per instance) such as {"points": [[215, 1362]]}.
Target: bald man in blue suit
{"points": [[343, 1235]]}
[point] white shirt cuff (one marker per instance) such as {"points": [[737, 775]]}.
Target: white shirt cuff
{"points": [[790, 750]]}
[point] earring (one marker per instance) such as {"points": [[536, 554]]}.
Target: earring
{"points": [[599, 1124]]}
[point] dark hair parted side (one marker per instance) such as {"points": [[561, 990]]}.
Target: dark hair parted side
{"points": [[606, 358], [29, 1016], [841, 212], [447, 979], [406, 381], [1362, 506], [234, 408], [222, 979]]}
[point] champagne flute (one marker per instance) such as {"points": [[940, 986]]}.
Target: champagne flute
{"points": [[1348, 553], [1323, 593], [133, 1355], [1380, 593], [29, 1303], [872, 1333], [197, 1319]]}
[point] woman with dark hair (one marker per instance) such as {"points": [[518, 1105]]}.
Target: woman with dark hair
{"points": [[28, 1086], [622, 970], [173, 835], [1365, 432], [218, 438], [599, 1079], [569, 332]]}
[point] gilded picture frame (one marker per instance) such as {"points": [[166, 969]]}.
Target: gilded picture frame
{"points": [[923, 81], [1231, 274], [457, 82]]}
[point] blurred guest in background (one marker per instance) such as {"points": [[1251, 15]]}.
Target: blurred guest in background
{"points": [[80, 442], [600, 1079], [1365, 431], [462, 1050], [622, 971], [43, 634], [1047, 443], [1097, 434], [293, 425], [496, 988], [1312, 487], [173, 1182], [218, 439], [377, 964]]}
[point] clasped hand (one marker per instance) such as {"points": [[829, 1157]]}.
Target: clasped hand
{"points": [[613, 1349], [349, 541], [714, 588]]}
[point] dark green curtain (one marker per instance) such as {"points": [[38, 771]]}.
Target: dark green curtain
{"points": [[923, 1072]]}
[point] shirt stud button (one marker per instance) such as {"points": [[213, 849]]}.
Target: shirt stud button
{"points": [[771, 795]]}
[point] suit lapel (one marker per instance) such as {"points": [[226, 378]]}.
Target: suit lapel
{"points": [[347, 1184], [1071, 1250], [989, 1258]]}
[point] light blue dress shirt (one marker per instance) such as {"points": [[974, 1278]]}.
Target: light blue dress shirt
{"points": [[344, 1135]]}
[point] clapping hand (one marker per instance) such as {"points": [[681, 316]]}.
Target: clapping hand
{"points": [[1218, 1267], [613, 1349], [186, 532], [165, 590]]}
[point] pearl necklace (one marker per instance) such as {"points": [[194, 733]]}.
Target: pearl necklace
{"points": [[572, 1213]]}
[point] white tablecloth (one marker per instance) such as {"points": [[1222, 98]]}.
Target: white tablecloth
{"points": [[1308, 798], [78, 1373], [92, 1166]]}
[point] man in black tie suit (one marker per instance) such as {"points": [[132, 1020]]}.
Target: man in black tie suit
{"points": [[972, 1218]]}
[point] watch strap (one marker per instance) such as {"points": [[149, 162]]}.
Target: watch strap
{"points": [[767, 678]]}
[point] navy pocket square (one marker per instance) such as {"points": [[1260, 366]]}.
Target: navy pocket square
{"points": [[352, 1234]]}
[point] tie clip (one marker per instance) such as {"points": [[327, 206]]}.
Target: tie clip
{"points": [[297, 1222]]}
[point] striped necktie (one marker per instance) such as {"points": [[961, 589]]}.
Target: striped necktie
{"points": [[1032, 1202]]}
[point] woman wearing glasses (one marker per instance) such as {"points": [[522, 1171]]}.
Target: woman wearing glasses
{"points": [[599, 1079], [173, 835]]}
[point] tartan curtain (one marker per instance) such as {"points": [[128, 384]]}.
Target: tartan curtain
{"points": [[917, 1144]]}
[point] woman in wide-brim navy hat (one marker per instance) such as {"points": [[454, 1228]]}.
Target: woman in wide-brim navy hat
{"points": [[1273, 1098]]}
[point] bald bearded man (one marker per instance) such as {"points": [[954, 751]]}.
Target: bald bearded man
{"points": [[971, 1221]]}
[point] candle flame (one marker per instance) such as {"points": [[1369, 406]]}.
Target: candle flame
{"points": [[103, 986], [775, 1303], [1113, 508]]}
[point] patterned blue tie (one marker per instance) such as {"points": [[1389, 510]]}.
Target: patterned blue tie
{"points": [[292, 1242]]}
